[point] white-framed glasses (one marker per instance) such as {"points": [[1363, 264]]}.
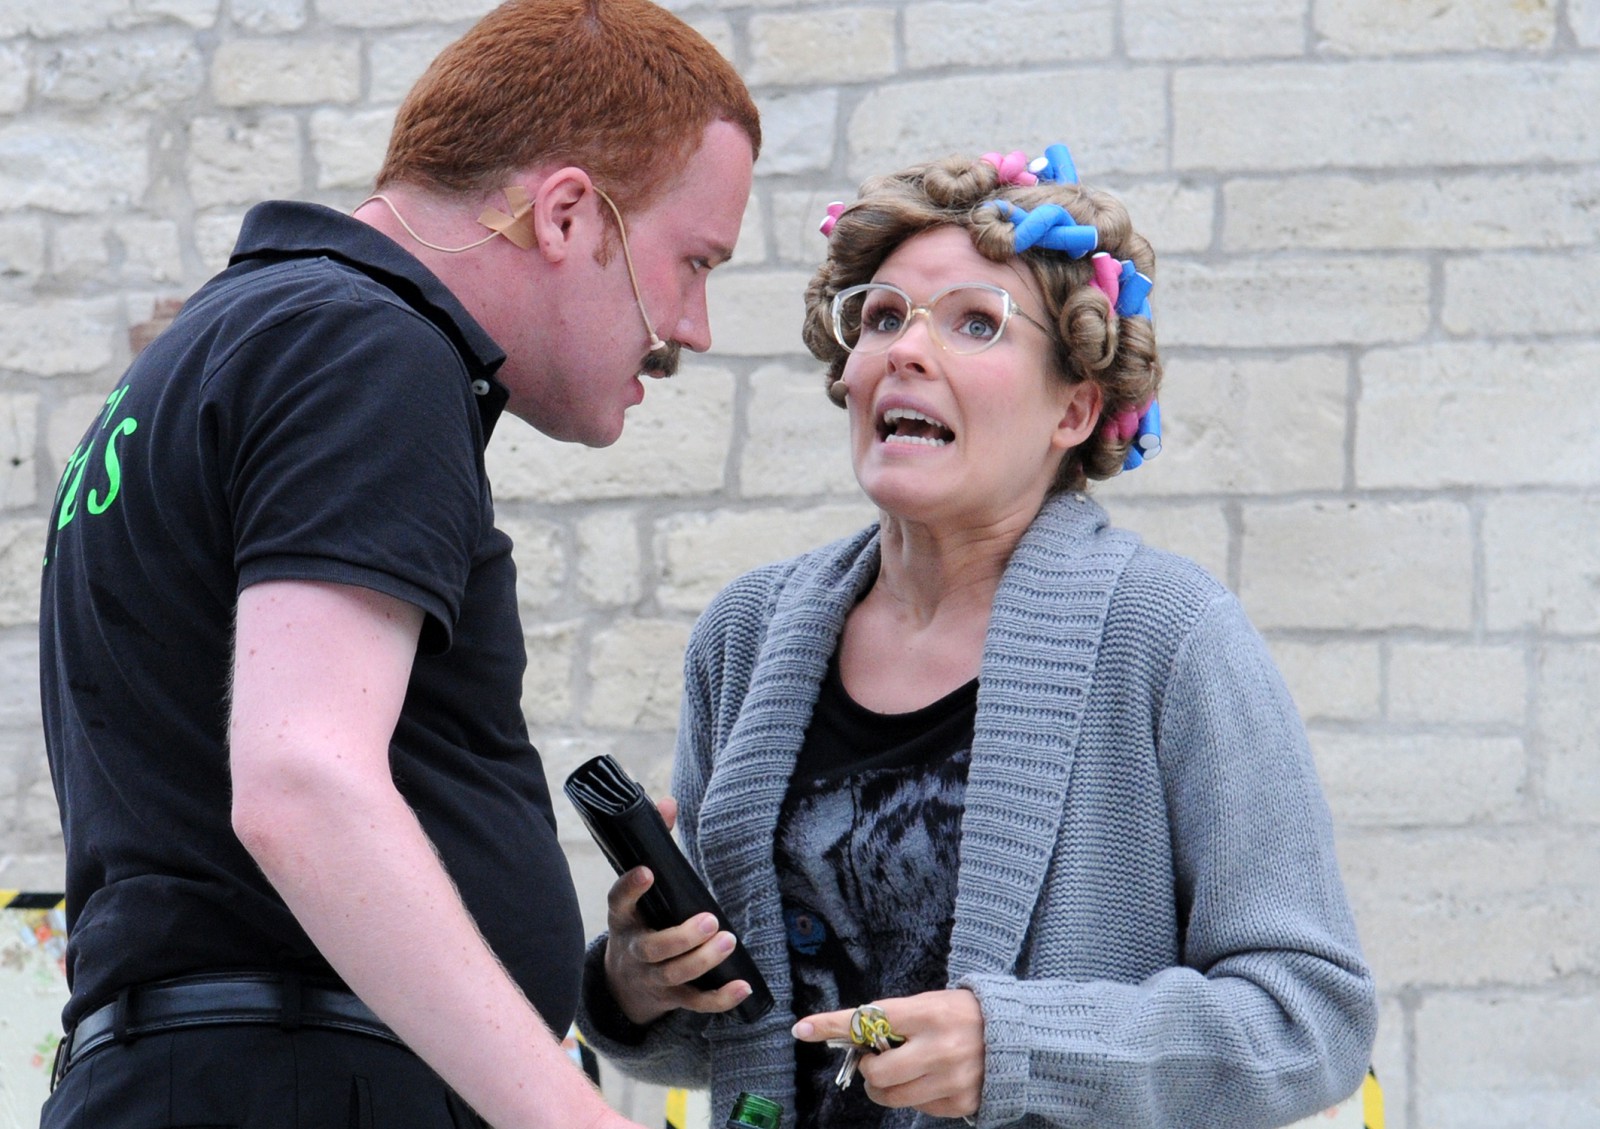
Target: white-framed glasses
{"points": [[966, 318]]}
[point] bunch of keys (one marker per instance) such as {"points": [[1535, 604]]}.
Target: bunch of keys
{"points": [[869, 1033]]}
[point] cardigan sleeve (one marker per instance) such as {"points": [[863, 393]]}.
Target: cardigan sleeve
{"points": [[1270, 1012]]}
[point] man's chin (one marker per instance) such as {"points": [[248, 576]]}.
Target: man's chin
{"points": [[601, 438], [583, 430]]}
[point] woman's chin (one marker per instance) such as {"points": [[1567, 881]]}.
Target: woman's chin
{"points": [[905, 501]]}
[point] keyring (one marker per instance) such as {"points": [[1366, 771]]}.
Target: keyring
{"points": [[869, 1028], [870, 1033]]}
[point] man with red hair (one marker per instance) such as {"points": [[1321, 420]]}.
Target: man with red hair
{"points": [[313, 877]]}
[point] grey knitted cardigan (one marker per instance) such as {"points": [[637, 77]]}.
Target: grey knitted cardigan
{"points": [[1148, 906]]}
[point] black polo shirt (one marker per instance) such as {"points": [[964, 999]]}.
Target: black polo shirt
{"points": [[318, 411]]}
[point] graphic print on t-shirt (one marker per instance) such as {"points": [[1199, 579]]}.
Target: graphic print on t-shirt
{"points": [[99, 496], [866, 866]]}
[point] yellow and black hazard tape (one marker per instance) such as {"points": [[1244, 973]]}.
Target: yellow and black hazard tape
{"points": [[579, 1050], [23, 899], [1371, 1101], [677, 1112]]}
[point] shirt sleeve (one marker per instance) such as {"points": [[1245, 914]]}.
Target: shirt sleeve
{"points": [[350, 453]]}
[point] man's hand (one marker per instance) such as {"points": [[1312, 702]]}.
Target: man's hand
{"points": [[649, 970], [937, 1070]]}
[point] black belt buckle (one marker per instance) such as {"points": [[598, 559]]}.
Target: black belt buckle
{"points": [[59, 1066]]}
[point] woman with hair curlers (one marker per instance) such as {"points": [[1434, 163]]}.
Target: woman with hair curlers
{"points": [[1029, 790]]}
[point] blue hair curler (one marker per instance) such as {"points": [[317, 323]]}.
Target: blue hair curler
{"points": [[1134, 297], [1148, 438], [1056, 165], [1051, 227]]}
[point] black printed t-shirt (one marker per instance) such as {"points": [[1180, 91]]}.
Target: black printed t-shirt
{"points": [[867, 852], [316, 412]]}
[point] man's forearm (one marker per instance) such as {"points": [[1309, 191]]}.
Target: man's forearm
{"points": [[365, 884]]}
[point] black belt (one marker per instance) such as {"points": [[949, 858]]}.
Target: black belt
{"points": [[211, 1001]]}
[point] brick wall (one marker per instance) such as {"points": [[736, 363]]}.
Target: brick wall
{"points": [[1379, 299]]}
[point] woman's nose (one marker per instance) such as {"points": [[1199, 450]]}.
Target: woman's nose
{"points": [[911, 348]]}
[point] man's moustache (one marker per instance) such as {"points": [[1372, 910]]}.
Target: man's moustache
{"points": [[662, 361]]}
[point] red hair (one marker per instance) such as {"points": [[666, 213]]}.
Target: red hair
{"points": [[620, 88]]}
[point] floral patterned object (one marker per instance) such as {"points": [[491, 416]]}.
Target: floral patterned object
{"points": [[33, 989]]}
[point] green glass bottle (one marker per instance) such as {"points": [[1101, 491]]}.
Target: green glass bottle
{"points": [[752, 1111]]}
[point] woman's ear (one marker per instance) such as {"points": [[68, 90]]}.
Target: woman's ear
{"points": [[1080, 414], [561, 209]]}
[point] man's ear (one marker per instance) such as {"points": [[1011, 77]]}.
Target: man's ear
{"points": [[563, 204], [1080, 414]]}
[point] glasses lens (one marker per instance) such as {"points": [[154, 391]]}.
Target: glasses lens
{"points": [[965, 319], [868, 319], [968, 319]]}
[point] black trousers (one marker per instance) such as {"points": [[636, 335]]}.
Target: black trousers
{"points": [[255, 1077]]}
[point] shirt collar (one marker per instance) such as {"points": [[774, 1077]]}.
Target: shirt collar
{"points": [[283, 229]]}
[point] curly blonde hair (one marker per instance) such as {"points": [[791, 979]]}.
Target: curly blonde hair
{"points": [[1091, 341]]}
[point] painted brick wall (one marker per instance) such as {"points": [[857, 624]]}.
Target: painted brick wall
{"points": [[1379, 299]]}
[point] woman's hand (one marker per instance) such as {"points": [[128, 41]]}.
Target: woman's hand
{"points": [[937, 1070], [648, 970]]}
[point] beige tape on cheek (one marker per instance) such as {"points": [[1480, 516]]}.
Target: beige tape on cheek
{"points": [[518, 226]]}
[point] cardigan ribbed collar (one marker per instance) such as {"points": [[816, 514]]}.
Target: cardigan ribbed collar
{"points": [[1039, 659]]}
